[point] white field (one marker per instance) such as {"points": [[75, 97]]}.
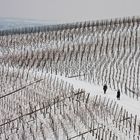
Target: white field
{"points": [[51, 84]]}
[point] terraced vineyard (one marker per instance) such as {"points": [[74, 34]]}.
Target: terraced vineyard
{"points": [[37, 103]]}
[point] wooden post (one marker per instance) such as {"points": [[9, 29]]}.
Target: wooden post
{"points": [[135, 123]]}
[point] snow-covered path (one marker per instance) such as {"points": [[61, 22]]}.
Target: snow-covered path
{"points": [[130, 104]]}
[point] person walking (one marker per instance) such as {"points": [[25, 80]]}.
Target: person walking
{"points": [[105, 88], [118, 94]]}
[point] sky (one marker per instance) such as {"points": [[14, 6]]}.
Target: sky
{"points": [[69, 10]]}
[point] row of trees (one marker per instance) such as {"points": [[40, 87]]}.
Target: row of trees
{"points": [[127, 20], [71, 116], [105, 54], [35, 104]]}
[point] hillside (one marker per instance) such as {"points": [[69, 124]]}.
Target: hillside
{"points": [[52, 77]]}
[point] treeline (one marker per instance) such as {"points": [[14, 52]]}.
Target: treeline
{"points": [[46, 28]]}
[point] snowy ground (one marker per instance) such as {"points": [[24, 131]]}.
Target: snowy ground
{"points": [[113, 62], [130, 104]]}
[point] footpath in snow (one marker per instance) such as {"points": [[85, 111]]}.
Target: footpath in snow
{"points": [[130, 104]]}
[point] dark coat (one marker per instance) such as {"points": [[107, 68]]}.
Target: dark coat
{"points": [[118, 94], [105, 87]]}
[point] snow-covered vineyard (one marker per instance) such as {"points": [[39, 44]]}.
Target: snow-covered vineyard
{"points": [[52, 77]]}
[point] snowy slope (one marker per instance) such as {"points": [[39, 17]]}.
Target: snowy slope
{"points": [[133, 106], [39, 101]]}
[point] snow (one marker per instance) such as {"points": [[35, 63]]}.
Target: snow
{"points": [[130, 104], [104, 67]]}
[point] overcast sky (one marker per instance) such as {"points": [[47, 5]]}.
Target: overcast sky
{"points": [[68, 10]]}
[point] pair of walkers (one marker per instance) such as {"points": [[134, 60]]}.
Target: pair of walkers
{"points": [[118, 92]]}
